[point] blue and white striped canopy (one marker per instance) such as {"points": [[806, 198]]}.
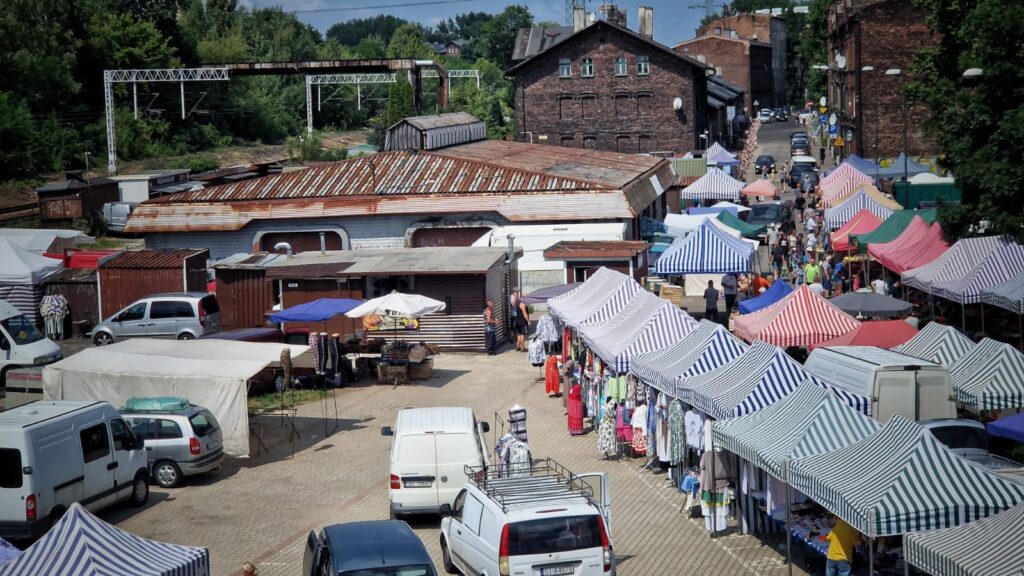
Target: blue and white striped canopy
{"points": [[989, 377], [610, 307], [707, 251], [716, 149], [630, 319], [669, 326], [82, 544], [937, 343], [986, 547], [954, 263], [812, 420], [715, 185], [901, 479], [1000, 265], [838, 215], [604, 285], [1008, 295], [709, 342]]}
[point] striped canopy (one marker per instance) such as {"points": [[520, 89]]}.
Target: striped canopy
{"points": [[604, 289], [716, 185], [987, 547], [862, 199], [955, 263], [840, 190], [861, 223], [800, 319], [919, 244], [669, 326], [901, 479], [645, 321], [812, 420], [844, 170], [937, 343], [989, 377], [998, 266], [707, 251], [707, 347], [716, 149], [80, 543], [1008, 295], [611, 307]]}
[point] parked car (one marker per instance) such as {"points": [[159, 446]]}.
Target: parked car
{"points": [[372, 548], [772, 212], [764, 163], [799, 134], [54, 453], [969, 439], [179, 443], [799, 166], [781, 114], [799, 147], [549, 522], [766, 116], [181, 315]]}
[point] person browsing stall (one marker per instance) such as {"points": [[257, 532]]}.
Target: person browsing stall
{"points": [[841, 541], [711, 302]]}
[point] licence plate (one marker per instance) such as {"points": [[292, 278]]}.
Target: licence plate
{"points": [[417, 483], [213, 445], [557, 570]]}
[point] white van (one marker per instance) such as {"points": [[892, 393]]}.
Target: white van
{"points": [[56, 452], [550, 523], [429, 454], [895, 383], [21, 343]]}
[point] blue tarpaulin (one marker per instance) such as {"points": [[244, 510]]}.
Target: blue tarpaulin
{"points": [[1011, 427], [316, 311], [777, 291], [696, 210], [867, 167]]}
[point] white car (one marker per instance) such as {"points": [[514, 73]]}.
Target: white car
{"points": [[766, 116]]}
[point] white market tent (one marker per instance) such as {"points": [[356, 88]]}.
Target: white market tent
{"points": [[21, 274], [954, 264], [210, 373], [983, 548], [41, 240], [937, 343], [738, 207], [994, 268], [597, 299], [686, 224], [1008, 295]]}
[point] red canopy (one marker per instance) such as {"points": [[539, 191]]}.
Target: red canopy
{"points": [[861, 223], [917, 245], [760, 187], [881, 333], [801, 318]]}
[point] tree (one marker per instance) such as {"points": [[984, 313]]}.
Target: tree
{"points": [[370, 47], [352, 32], [814, 46], [119, 41], [408, 42], [497, 37], [978, 121], [17, 133]]}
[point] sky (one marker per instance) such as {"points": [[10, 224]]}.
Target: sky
{"points": [[674, 21]]}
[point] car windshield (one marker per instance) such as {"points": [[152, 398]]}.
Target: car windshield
{"points": [[961, 437], [762, 212], [21, 330], [412, 570], [554, 535], [765, 159]]}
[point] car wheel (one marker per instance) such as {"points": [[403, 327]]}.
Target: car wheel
{"points": [[103, 339], [446, 559], [140, 490], [167, 474], [186, 336]]}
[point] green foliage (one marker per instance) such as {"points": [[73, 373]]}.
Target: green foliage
{"points": [[978, 122], [196, 163], [497, 36], [120, 41], [814, 47], [408, 42], [17, 134], [309, 148], [370, 47], [352, 32]]}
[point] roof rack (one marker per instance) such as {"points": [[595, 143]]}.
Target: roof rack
{"points": [[526, 484]]}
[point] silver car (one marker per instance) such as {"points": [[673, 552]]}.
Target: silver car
{"points": [[181, 315], [179, 443]]}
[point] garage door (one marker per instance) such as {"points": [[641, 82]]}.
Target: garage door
{"points": [[431, 237]]}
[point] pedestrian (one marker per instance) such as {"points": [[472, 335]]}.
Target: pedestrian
{"points": [[798, 206], [711, 302], [522, 323], [490, 328], [879, 286], [839, 278], [812, 272], [773, 236], [810, 223], [575, 409], [730, 289], [841, 541], [249, 569], [778, 259], [812, 243]]}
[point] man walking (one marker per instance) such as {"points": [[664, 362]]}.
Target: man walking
{"points": [[711, 302], [490, 328], [731, 289]]}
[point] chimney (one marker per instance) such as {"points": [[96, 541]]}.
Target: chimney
{"points": [[646, 21], [579, 17]]}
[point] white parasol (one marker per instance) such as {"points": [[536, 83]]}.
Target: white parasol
{"points": [[397, 305]]}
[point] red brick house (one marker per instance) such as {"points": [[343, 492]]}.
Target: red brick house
{"points": [[606, 87], [744, 63]]}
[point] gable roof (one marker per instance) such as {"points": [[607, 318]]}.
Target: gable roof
{"points": [[602, 25], [536, 39]]}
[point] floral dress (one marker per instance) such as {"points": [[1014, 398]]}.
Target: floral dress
{"points": [[606, 443]]}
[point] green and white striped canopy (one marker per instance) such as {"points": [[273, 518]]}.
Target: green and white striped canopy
{"points": [[937, 343], [989, 377], [989, 547], [901, 479], [812, 420]]}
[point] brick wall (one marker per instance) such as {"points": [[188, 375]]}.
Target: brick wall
{"points": [[738, 62], [746, 25], [761, 28], [630, 113]]}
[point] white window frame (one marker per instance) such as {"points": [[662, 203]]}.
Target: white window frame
{"points": [[564, 68], [643, 65], [587, 68], [621, 66]]}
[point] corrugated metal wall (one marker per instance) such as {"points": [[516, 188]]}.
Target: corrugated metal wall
{"points": [[83, 309], [297, 292], [245, 295], [406, 136], [119, 287]]}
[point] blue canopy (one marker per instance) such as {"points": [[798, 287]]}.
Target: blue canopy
{"points": [[1011, 427], [895, 170], [316, 311], [867, 167], [777, 291], [696, 210]]}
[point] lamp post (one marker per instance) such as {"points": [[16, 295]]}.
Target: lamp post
{"points": [[872, 69], [898, 72]]}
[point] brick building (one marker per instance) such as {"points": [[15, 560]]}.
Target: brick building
{"points": [[764, 28], [606, 87], [743, 63], [882, 34]]}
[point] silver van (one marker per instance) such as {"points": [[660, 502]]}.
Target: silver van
{"points": [[181, 315], [179, 443]]}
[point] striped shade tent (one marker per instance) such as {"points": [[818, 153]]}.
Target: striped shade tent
{"points": [[80, 543], [844, 171], [894, 225], [812, 420], [988, 547], [625, 324], [600, 282], [707, 347], [901, 479], [611, 306], [715, 185], [840, 190], [800, 319], [760, 187], [996, 267], [1008, 295], [957, 262], [919, 244], [937, 343], [668, 326], [989, 377], [606, 290], [862, 222], [717, 149], [707, 251], [862, 199]]}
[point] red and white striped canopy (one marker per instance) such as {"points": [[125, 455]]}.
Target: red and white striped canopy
{"points": [[801, 318], [844, 170]]}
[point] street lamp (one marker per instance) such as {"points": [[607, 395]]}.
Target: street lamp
{"points": [[898, 72], [870, 68]]}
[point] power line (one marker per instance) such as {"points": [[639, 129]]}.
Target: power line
{"points": [[374, 7]]}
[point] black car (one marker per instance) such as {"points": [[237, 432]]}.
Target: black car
{"points": [[798, 169], [798, 135], [774, 212], [781, 114], [373, 548], [764, 163]]}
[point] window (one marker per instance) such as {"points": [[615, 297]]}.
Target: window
{"points": [[643, 65], [204, 424], [168, 429], [471, 514], [460, 502], [590, 142], [10, 468], [567, 107], [95, 444], [622, 144], [162, 309], [144, 428], [587, 68], [564, 68], [21, 330], [554, 535], [645, 144], [209, 304], [644, 104], [624, 105], [588, 105], [620, 66], [123, 439], [568, 142], [133, 313]]}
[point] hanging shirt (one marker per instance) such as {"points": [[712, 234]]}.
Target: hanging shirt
{"points": [[694, 423], [677, 431]]}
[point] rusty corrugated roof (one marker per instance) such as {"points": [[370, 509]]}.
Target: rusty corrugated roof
{"points": [[441, 120], [569, 249], [151, 258]]}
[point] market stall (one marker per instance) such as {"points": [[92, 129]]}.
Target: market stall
{"points": [[399, 361], [989, 377], [682, 225], [893, 226], [882, 333], [542, 295], [707, 251], [839, 190], [799, 319], [919, 244], [956, 263], [602, 287], [937, 343], [714, 185], [777, 291], [861, 223], [746, 230], [842, 172], [707, 347], [760, 188], [667, 326], [976, 549], [864, 198], [999, 265], [902, 166], [21, 277], [1008, 295]]}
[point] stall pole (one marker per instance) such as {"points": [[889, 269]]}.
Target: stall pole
{"points": [[712, 491], [963, 317], [740, 494], [982, 305], [871, 555], [906, 563], [789, 518]]}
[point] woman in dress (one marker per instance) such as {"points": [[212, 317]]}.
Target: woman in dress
{"points": [[575, 407], [606, 443]]}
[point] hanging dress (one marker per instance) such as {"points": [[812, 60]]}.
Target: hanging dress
{"points": [[606, 443], [575, 408], [639, 424], [552, 380]]}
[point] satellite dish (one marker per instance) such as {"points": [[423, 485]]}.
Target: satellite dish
{"points": [[840, 61], [677, 104]]}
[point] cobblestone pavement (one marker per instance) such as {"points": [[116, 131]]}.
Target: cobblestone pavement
{"points": [[260, 510]]}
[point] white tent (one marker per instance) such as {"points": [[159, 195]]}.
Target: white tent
{"points": [[21, 274], [42, 240], [210, 373], [684, 224], [929, 178]]}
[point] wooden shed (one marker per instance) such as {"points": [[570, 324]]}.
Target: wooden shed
{"points": [[78, 287], [243, 291], [435, 131], [583, 257], [127, 276], [61, 203]]}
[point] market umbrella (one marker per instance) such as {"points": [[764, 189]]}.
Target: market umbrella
{"points": [[319, 310], [760, 187], [397, 305], [541, 295], [871, 304]]}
